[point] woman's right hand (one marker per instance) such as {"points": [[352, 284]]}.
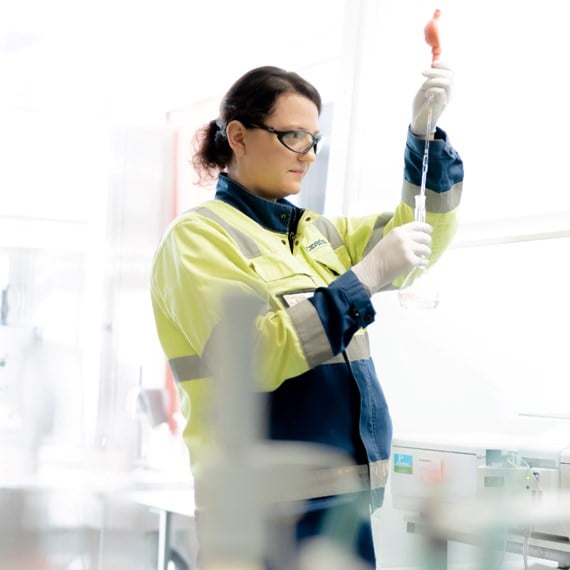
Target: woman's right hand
{"points": [[401, 249]]}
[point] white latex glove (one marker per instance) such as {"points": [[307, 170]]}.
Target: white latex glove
{"points": [[401, 249], [437, 85]]}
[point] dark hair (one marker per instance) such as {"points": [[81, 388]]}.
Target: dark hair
{"points": [[250, 100]]}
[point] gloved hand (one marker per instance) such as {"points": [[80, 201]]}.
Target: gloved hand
{"points": [[396, 253], [438, 84]]}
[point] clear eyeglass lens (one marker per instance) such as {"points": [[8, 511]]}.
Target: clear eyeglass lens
{"points": [[299, 141]]}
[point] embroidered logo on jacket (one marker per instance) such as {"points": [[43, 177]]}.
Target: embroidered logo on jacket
{"points": [[315, 244]]}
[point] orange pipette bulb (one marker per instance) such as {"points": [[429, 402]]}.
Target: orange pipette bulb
{"points": [[431, 33]]}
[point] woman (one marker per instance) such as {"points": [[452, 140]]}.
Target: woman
{"points": [[316, 275]]}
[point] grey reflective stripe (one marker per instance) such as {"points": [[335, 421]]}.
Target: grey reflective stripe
{"points": [[358, 349], [329, 230], [247, 246], [436, 202], [188, 368], [311, 333], [327, 481], [377, 232], [379, 472]]}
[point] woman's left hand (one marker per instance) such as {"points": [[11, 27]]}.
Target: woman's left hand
{"points": [[438, 87]]}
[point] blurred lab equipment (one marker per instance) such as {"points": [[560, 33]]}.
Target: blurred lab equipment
{"points": [[75, 488], [504, 492]]}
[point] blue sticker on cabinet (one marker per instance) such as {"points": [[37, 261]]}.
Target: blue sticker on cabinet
{"points": [[403, 463]]}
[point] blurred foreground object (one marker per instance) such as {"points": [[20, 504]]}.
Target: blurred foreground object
{"points": [[249, 483]]}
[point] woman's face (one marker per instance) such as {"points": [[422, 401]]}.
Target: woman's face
{"points": [[262, 164]]}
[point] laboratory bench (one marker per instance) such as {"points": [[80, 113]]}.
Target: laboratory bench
{"points": [[93, 519]]}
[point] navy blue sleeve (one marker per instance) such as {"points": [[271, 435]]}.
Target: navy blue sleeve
{"points": [[445, 167], [344, 307]]}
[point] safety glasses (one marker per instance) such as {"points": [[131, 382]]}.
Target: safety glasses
{"points": [[299, 141]]}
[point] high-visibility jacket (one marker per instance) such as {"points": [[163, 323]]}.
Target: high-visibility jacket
{"points": [[311, 352]]}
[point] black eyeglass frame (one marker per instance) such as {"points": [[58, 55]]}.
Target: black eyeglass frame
{"points": [[281, 134]]}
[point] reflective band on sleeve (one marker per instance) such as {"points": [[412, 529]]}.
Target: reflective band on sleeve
{"points": [[377, 232], [311, 333], [436, 202], [329, 230], [247, 246], [358, 349], [379, 471], [188, 368]]}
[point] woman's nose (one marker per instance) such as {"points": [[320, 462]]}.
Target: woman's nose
{"points": [[309, 156]]}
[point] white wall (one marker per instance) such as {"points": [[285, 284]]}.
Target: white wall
{"points": [[493, 351], [496, 345]]}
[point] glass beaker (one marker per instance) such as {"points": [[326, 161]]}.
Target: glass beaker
{"points": [[419, 290]]}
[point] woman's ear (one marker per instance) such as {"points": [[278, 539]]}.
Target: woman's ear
{"points": [[237, 135]]}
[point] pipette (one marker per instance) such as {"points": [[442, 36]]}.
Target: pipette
{"points": [[431, 34], [418, 291], [420, 211]]}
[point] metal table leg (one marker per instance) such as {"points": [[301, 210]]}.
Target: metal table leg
{"points": [[165, 520]]}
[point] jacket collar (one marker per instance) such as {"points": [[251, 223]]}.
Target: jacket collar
{"points": [[281, 216]]}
